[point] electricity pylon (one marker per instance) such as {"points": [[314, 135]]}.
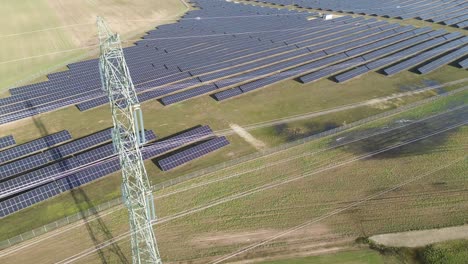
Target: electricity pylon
{"points": [[127, 137]]}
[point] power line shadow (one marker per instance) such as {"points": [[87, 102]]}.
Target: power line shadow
{"points": [[96, 228]]}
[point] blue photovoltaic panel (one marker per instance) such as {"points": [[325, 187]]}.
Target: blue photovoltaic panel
{"points": [[28, 198], [404, 53], [395, 47], [223, 95], [174, 98], [192, 153], [172, 53], [7, 141], [464, 64], [351, 74], [452, 56], [34, 146], [420, 58], [314, 76], [188, 137], [54, 154], [49, 172], [260, 83], [95, 171], [89, 175]]}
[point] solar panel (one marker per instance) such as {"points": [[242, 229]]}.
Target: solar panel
{"points": [[223, 95], [404, 53], [34, 146], [54, 154], [29, 198], [464, 64], [182, 139], [178, 97], [452, 56], [159, 59], [46, 174], [343, 77], [462, 25], [420, 58], [331, 70], [192, 153], [264, 81], [7, 141]]}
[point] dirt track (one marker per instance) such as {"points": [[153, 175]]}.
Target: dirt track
{"points": [[421, 238]]}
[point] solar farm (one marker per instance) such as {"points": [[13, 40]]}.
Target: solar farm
{"points": [[272, 131]]}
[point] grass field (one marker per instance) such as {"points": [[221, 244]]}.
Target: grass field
{"points": [[350, 257], [28, 49], [450, 252], [227, 222]]}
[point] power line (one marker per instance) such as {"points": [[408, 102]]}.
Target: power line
{"points": [[330, 214], [247, 193], [270, 164], [33, 184]]}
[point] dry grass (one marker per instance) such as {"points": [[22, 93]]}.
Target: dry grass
{"points": [[23, 37]]}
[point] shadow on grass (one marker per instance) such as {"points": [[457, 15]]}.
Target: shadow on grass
{"points": [[291, 133], [96, 228], [400, 131]]}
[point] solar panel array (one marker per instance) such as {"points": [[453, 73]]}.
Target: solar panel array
{"points": [[7, 141], [175, 142], [58, 169], [250, 48], [448, 58], [34, 146], [192, 153], [54, 154], [447, 12]]}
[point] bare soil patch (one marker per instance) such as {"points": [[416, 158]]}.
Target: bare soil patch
{"points": [[421, 238]]}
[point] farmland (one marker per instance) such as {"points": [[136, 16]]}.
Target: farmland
{"points": [[28, 50]]}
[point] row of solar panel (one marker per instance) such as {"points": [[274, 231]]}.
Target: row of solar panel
{"points": [[42, 100], [188, 94], [35, 161], [53, 154], [7, 141], [100, 101], [151, 82], [46, 174], [448, 12], [336, 68], [352, 63], [69, 173], [34, 146]]}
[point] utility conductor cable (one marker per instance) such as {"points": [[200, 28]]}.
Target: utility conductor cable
{"points": [[334, 212], [36, 183], [255, 190]]}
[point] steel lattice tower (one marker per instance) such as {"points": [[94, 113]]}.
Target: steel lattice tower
{"points": [[128, 136]]}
